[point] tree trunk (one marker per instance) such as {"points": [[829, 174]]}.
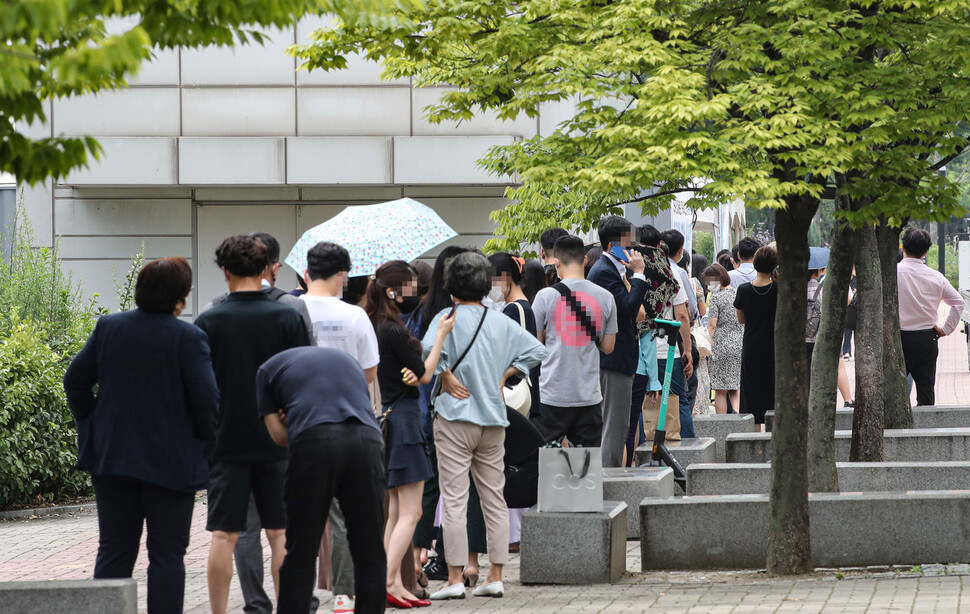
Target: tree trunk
{"points": [[898, 413], [789, 544], [822, 475], [867, 422]]}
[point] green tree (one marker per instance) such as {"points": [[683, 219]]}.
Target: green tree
{"points": [[769, 101], [55, 48]]}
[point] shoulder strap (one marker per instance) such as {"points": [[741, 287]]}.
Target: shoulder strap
{"points": [[275, 293], [518, 305], [472, 342], [578, 310]]}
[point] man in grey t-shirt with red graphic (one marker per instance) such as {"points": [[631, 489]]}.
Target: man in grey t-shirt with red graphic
{"points": [[576, 319]]}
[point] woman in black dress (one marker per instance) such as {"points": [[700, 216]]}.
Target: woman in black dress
{"points": [[392, 291], [755, 303]]}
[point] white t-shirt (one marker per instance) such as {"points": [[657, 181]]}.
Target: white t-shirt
{"points": [[343, 326], [679, 299]]}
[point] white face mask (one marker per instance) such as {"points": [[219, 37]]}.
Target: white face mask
{"points": [[713, 286], [496, 295]]}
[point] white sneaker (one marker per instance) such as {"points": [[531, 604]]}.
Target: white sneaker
{"points": [[343, 604], [490, 589], [455, 591]]}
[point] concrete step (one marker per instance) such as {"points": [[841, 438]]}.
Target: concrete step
{"points": [[754, 478], [847, 530], [574, 547], [924, 417], [917, 445], [686, 452], [634, 484], [719, 426], [70, 596]]}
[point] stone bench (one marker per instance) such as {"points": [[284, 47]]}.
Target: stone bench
{"points": [[634, 484], [754, 478], [924, 417], [685, 452], [70, 597], [916, 445], [847, 530], [574, 548], [719, 426]]}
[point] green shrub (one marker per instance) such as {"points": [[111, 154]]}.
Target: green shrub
{"points": [[38, 449], [43, 323]]}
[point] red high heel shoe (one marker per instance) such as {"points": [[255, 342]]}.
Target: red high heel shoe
{"points": [[394, 602]]}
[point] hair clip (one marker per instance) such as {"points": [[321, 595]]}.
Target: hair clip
{"points": [[519, 261]]}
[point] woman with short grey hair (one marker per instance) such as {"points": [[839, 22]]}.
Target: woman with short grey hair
{"points": [[483, 350]]}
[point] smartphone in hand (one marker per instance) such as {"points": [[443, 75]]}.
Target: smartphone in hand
{"points": [[618, 253], [453, 309]]}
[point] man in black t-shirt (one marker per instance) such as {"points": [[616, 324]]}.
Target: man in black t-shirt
{"points": [[244, 331]]}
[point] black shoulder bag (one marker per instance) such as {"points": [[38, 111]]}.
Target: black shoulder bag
{"points": [[579, 311]]}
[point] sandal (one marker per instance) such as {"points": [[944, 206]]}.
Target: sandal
{"points": [[470, 577]]}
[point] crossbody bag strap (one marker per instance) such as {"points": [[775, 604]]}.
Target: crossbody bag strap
{"points": [[436, 391], [521, 314], [472, 342], [584, 320]]}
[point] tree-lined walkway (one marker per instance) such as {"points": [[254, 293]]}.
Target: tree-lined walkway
{"points": [[64, 547]]}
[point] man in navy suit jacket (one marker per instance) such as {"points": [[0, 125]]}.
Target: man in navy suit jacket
{"points": [[618, 368]]}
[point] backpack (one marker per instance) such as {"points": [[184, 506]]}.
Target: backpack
{"points": [[814, 314]]}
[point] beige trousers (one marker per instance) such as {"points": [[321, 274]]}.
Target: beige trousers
{"points": [[462, 446]]}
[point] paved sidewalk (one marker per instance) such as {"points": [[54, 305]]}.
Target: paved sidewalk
{"points": [[63, 547]]}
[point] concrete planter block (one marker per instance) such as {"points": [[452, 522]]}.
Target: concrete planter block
{"points": [[574, 548], [904, 445], [686, 452], [719, 426], [924, 417], [730, 479], [634, 484], [70, 596], [848, 530]]}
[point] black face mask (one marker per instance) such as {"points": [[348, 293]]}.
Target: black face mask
{"points": [[408, 304]]}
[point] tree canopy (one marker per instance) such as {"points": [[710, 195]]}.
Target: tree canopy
{"points": [[670, 91], [780, 102], [54, 48]]}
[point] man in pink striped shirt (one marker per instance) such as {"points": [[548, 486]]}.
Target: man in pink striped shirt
{"points": [[920, 291]]}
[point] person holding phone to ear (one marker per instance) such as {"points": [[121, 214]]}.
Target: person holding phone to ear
{"points": [[617, 369]]}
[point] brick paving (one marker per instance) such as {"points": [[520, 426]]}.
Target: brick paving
{"points": [[64, 546]]}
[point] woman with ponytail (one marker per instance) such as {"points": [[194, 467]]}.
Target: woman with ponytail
{"points": [[393, 290]]}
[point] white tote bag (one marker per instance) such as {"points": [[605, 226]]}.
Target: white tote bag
{"points": [[570, 480]]}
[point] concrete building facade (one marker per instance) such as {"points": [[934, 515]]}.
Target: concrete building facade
{"points": [[211, 142]]}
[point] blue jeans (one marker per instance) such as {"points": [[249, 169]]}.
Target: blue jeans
{"points": [[679, 387]]}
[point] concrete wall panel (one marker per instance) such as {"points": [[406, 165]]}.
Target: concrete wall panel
{"points": [[130, 161], [444, 159], [123, 217], [353, 160], [242, 161], [480, 125], [371, 111], [239, 112], [252, 64], [131, 112], [124, 247]]}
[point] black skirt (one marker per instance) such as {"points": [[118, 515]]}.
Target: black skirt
{"points": [[408, 460]]}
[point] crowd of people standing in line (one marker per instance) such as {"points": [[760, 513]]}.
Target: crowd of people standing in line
{"points": [[340, 417]]}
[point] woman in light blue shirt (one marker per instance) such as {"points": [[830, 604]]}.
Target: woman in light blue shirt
{"points": [[470, 420]]}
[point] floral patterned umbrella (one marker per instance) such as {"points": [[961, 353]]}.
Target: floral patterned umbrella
{"points": [[401, 229]]}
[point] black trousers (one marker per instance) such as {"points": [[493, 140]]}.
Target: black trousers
{"points": [[582, 426], [920, 351], [124, 505], [345, 461]]}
